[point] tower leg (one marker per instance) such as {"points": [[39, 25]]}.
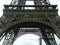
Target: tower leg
{"points": [[9, 38], [51, 39], [48, 37]]}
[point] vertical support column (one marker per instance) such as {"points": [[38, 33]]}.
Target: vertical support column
{"points": [[37, 2], [21, 2], [14, 2], [9, 38], [48, 37], [51, 39], [24, 1], [44, 36], [40, 41]]}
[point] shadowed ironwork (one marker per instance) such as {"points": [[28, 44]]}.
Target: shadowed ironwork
{"points": [[43, 21]]}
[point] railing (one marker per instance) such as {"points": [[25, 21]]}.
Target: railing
{"points": [[34, 6]]}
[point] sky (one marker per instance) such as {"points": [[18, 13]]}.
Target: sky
{"points": [[53, 2], [27, 40]]}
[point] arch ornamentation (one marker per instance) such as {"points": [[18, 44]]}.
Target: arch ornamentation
{"points": [[13, 22]]}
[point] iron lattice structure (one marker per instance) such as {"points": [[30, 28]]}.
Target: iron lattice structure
{"points": [[42, 21]]}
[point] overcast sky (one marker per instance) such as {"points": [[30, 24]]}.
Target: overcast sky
{"points": [[2, 2]]}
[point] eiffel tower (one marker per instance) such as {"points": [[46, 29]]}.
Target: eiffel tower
{"points": [[19, 18]]}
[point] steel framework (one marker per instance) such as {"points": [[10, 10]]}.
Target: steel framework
{"points": [[42, 21]]}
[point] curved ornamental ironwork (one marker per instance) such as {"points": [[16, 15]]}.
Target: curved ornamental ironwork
{"points": [[43, 21]]}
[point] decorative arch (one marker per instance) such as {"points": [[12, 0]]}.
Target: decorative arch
{"points": [[12, 23], [19, 24]]}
